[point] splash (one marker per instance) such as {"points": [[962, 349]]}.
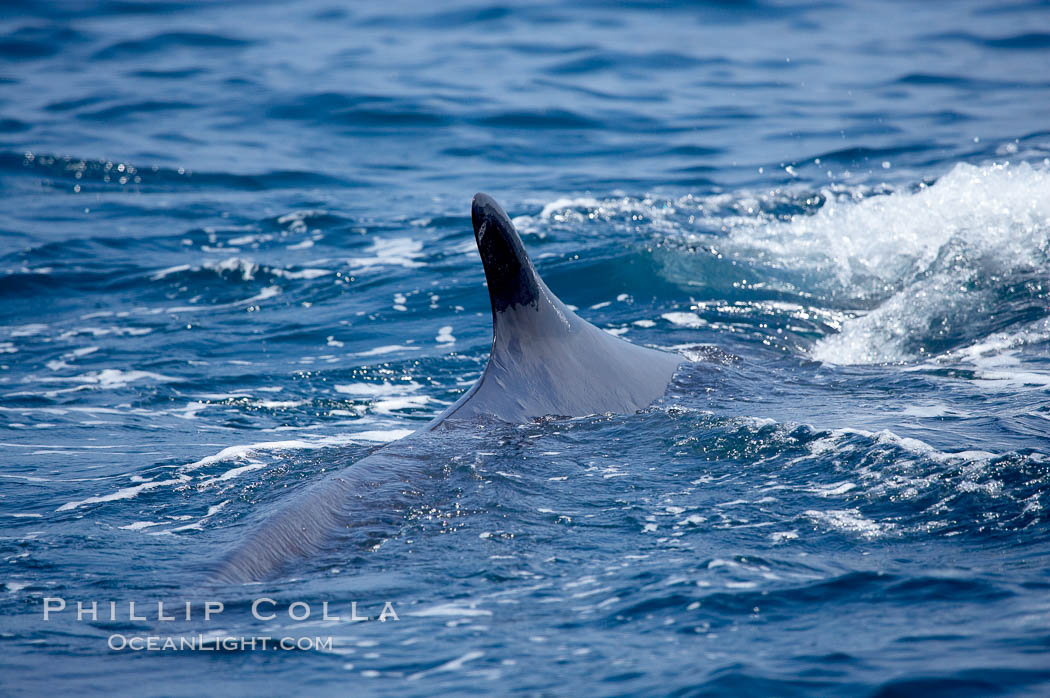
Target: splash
{"points": [[948, 264], [910, 272]]}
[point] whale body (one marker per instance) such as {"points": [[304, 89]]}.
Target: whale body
{"points": [[545, 361]]}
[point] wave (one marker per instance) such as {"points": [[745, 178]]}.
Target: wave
{"points": [[170, 41], [964, 258], [98, 175], [908, 273], [1029, 41], [882, 485]]}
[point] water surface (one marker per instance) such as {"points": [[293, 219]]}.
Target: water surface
{"points": [[236, 255]]}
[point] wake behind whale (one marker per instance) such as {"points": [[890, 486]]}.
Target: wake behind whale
{"points": [[545, 360]]}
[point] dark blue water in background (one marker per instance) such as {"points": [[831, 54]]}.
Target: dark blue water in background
{"points": [[236, 254]]}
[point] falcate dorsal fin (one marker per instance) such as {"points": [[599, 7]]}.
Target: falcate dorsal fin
{"points": [[545, 359]]}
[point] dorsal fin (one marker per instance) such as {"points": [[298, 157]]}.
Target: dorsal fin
{"points": [[545, 359]]}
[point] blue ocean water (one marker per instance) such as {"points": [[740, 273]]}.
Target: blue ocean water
{"points": [[236, 254]]}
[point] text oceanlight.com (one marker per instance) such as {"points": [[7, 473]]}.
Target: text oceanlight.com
{"points": [[202, 643]]}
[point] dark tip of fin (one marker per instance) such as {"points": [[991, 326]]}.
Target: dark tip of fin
{"points": [[510, 275]]}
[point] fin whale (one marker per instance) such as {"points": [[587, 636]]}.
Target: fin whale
{"points": [[545, 361]]}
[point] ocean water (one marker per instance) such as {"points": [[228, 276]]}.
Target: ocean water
{"points": [[236, 254]]}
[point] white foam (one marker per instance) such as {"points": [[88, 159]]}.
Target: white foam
{"points": [[916, 265], [386, 349], [444, 335], [450, 610], [266, 293], [29, 330], [851, 521], [685, 319], [394, 404], [833, 490], [888, 438], [245, 267], [106, 379], [104, 331], [931, 410], [377, 389], [246, 451], [453, 665], [301, 274], [170, 270], [299, 216], [586, 208], [240, 453], [248, 240], [935, 248], [139, 525], [274, 404], [125, 493], [232, 473], [402, 252], [383, 435], [82, 351], [997, 361]]}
